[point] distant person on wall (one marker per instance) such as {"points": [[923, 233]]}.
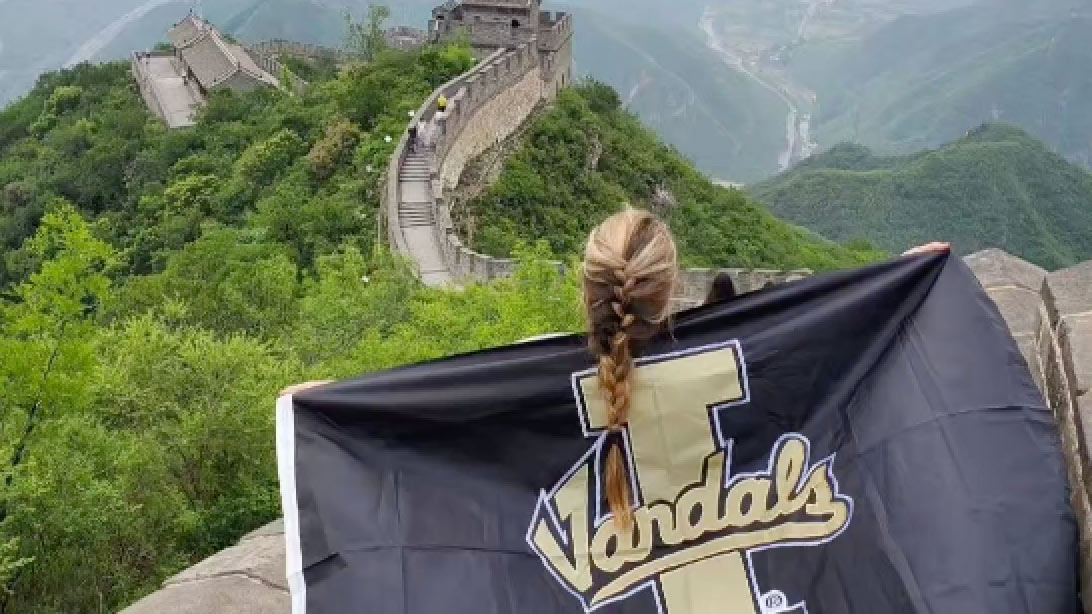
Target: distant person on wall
{"points": [[441, 105], [413, 136], [723, 289]]}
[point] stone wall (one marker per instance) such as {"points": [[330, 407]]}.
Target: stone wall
{"points": [[493, 122], [487, 84], [487, 105], [248, 578], [303, 50], [270, 64], [144, 81], [1050, 317], [405, 37], [555, 30]]}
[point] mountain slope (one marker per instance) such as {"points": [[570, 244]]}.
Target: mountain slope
{"points": [[583, 158], [924, 80], [732, 127], [158, 287], [996, 187]]}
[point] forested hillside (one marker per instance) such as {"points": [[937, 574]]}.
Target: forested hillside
{"points": [[578, 160], [160, 287], [996, 187]]}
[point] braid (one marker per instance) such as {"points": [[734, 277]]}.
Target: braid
{"points": [[629, 275], [615, 368]]}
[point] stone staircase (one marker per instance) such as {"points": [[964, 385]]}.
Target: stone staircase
{"points": [[415, 216], [413, 211]]}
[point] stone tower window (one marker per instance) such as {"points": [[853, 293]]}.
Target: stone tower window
{"points": [[515, 23]]}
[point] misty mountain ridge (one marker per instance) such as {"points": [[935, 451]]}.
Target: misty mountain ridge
{"points": [[997, 186]]}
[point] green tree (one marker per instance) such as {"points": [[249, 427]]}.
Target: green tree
{"points": [[228, 281], [367, 38], [46, 358]]}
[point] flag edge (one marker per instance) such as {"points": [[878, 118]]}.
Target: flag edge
{"points": [[286, 470]]}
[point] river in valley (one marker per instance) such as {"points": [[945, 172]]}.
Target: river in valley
{"points": [[798, 143]]}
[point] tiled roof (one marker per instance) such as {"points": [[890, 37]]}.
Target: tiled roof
{"points": [[186, 31], [210, 57], [209, 60]]}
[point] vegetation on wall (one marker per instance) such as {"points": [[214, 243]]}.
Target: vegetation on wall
{"points": [[584, 157], [995, 187]]}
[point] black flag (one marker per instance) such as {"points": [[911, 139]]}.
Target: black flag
{"points": [[864, 442]]}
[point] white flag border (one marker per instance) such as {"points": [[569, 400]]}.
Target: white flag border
{"points": [[286, 470]]}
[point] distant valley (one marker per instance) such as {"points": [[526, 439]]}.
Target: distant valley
{"points": [[896, 75]]}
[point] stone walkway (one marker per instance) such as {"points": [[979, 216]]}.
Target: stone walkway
{"points": [[176, 98], [416, 218]]}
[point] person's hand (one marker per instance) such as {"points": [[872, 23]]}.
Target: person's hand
{"points": [[929, 248], [304, 386]]}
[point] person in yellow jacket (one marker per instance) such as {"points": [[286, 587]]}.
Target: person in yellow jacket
{"points": [[441, 104]]}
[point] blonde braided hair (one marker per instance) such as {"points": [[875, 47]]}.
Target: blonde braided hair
{"points": [[630, 269]]}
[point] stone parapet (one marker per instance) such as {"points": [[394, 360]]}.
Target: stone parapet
{"points": [[248, 578], [555, 30], [144, 80], [303, 50], [1050, 317], [1015, 287]]}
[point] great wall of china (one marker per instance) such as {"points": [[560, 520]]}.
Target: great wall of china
{"points": [[487, 105], [1048, 313]]}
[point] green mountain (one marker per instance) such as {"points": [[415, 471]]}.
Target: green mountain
{"points": [[582, 158], [922, 80], [995, 187], [729, 125]]}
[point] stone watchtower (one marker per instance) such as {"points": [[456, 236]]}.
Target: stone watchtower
{"points": [[490, 25]]}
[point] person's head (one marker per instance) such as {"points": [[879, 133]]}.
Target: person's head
{"points": [[723, 288], [629, 276]]}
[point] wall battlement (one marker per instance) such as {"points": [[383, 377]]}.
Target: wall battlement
{"points": [[303, 50], [555, 31]]}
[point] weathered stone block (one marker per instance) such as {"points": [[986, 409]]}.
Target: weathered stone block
{"points": [[1083, 415], [1020, 307], [1069, 291], [222, 595], [1029, 349], [1076, 338], [248, 577], [274, 528], [994, 268], [260, 558]]}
